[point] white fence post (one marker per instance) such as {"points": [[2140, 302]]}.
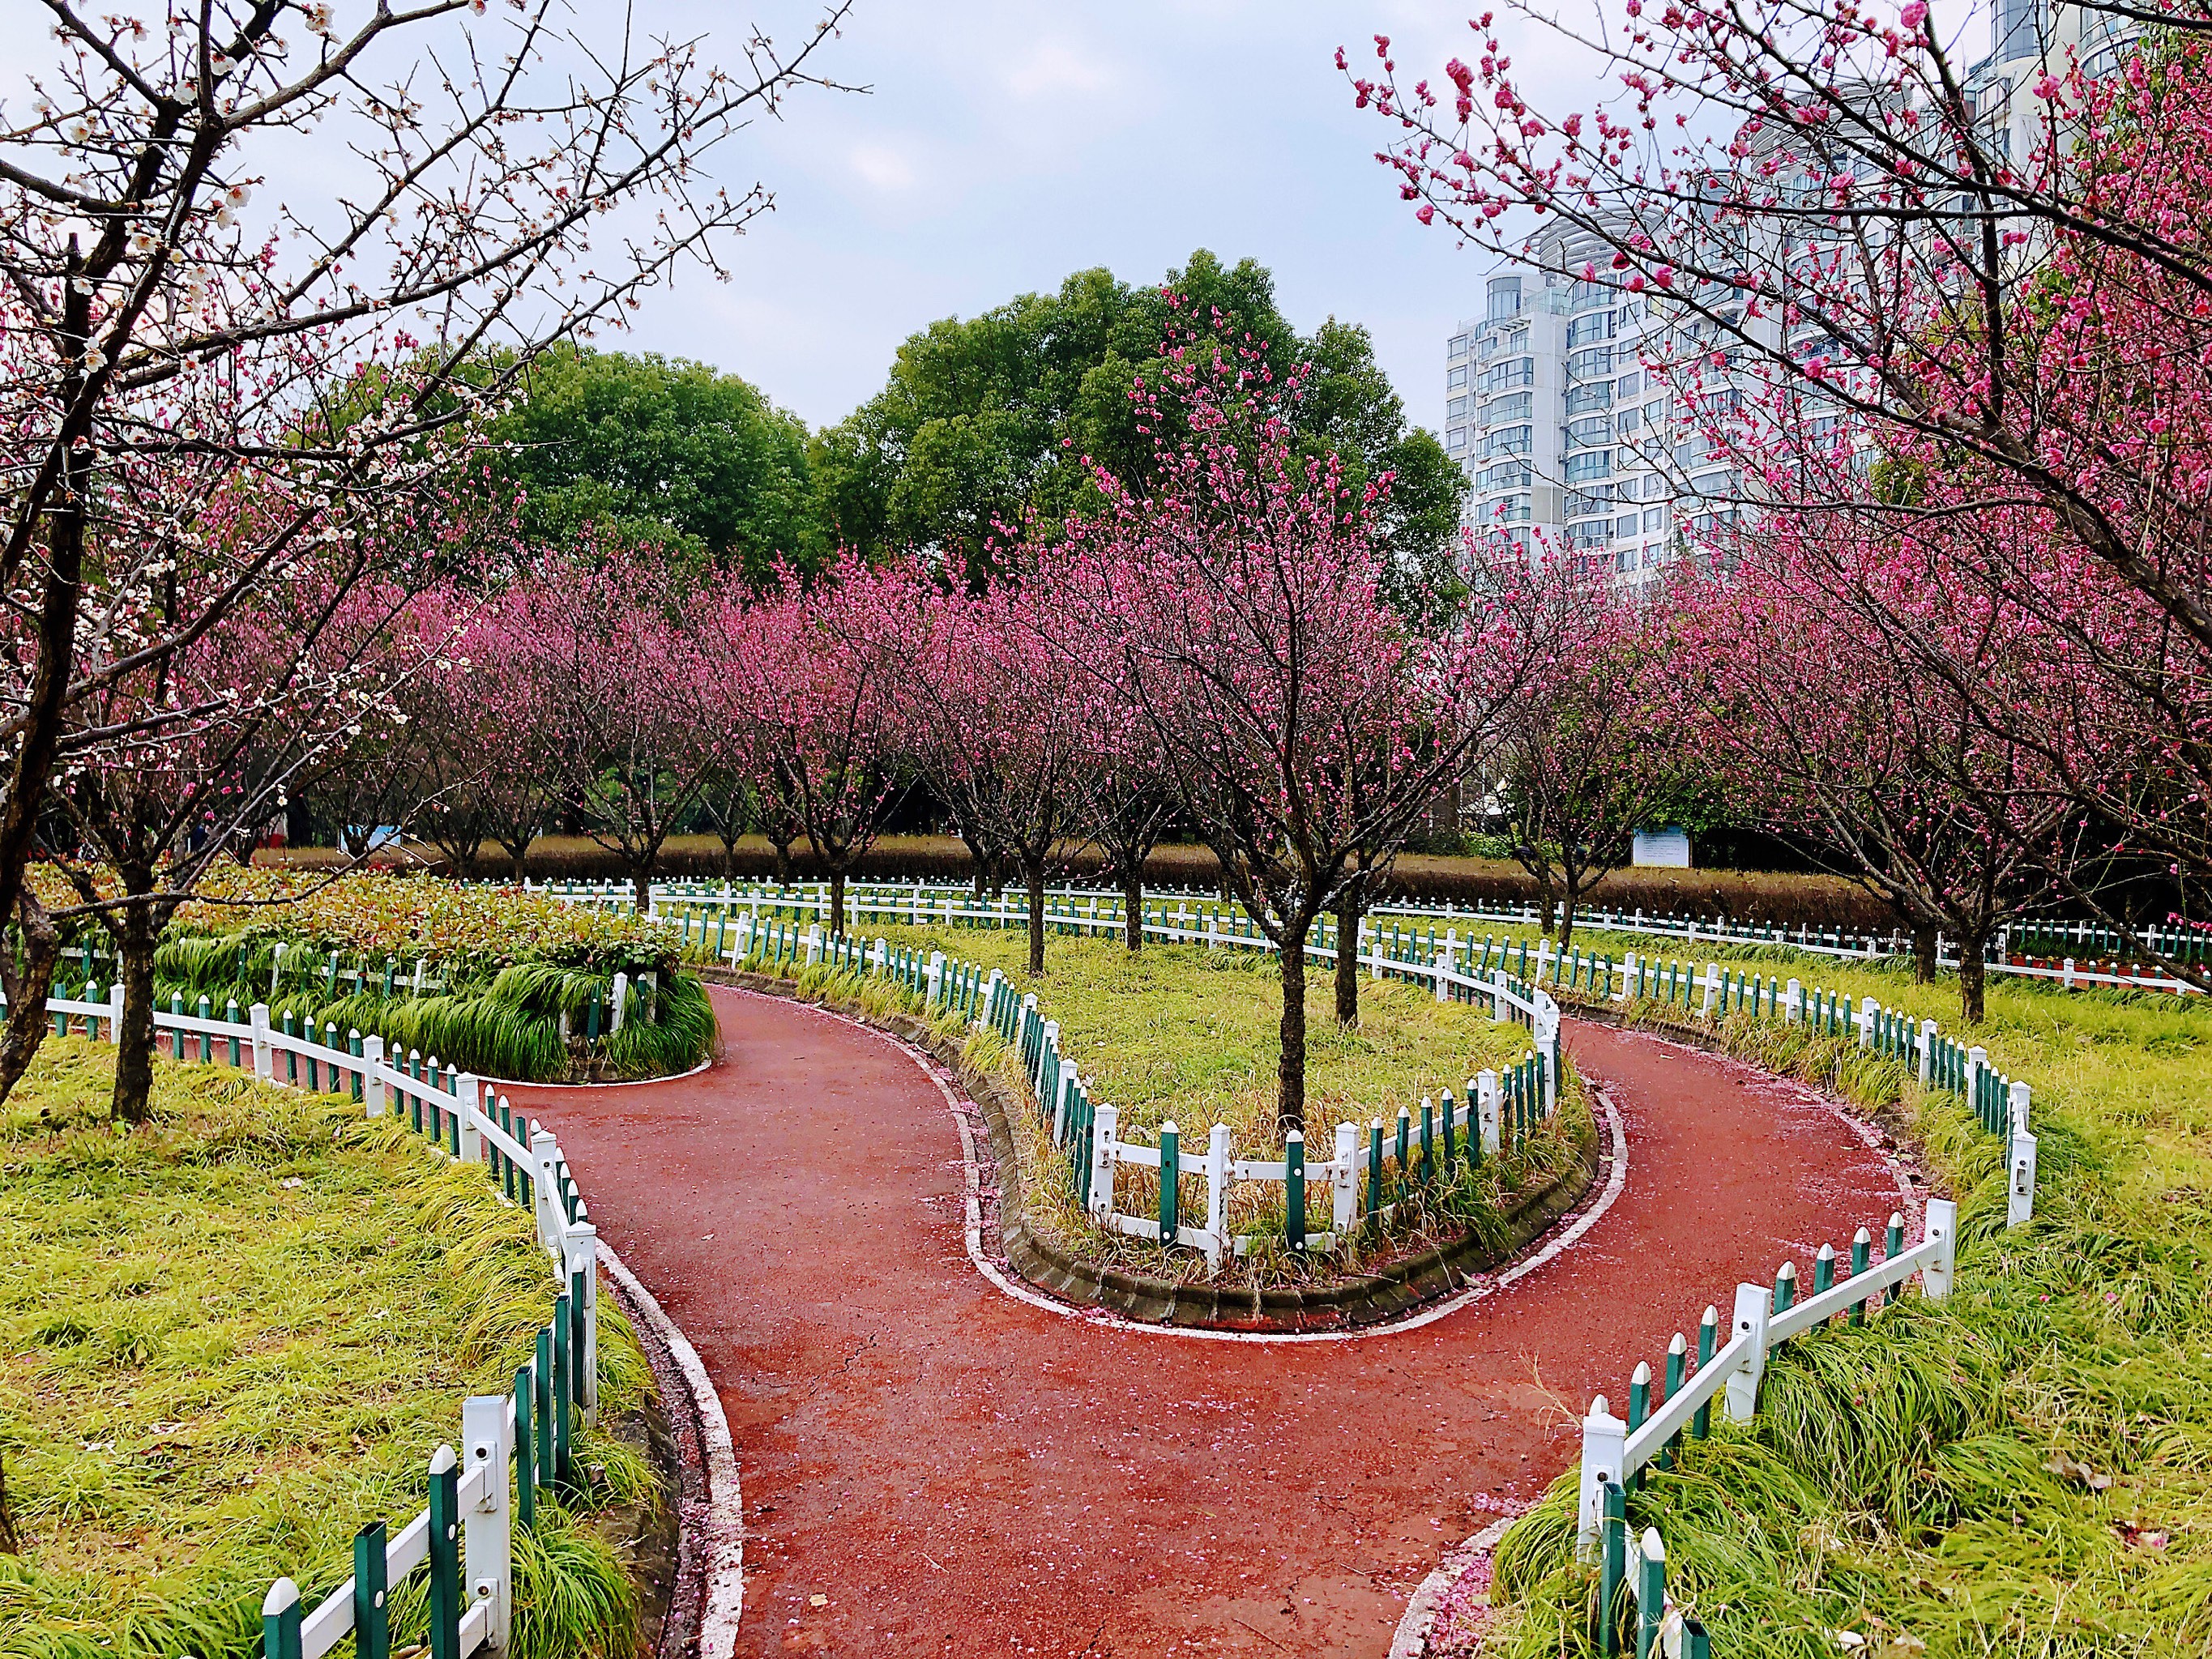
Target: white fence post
{"points": [[620, 995], [936, 976], [371, 1084], [1485, 1096], [1496, 995], [579, 1254], [1712, 990], [1344, 1178], [2020, 1161], [115, 1012], [988, 1000], [1753, 1305], [1063, 1091], [1927, 1051], [1978, 1060], [487, 1564], [470, 1093], [1793, 1007], [544, 1152], [263, 1056], [1102, 1161], [1217, 1195], [1870, 1009], [1942, 1226], [1605, 1443], [814, 942]]}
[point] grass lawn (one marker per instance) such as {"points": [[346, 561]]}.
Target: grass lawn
{"points": [[232, 1337], [1177, 1032], [2025, 1469]]}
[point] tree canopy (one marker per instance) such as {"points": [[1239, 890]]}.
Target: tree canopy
{"points": [[663, 452], [985, 422]]}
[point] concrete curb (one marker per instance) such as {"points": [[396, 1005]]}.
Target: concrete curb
{"points": [[710, 1594]]}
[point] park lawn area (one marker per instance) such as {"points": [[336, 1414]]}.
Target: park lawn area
{"points": [[231, 1337], [1175, 1032], [2025, 1469]]}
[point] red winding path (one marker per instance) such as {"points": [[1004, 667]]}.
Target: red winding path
{"points": [[959, 1473]]}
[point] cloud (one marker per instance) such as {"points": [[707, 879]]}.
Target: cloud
{"points": [[1056, 68], [884, 167]]}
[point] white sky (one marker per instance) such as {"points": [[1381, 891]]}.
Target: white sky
{"points": [[1005, 143]]}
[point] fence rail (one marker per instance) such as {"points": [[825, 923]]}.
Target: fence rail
{"points": [[2070, 954], [464, 1536]]}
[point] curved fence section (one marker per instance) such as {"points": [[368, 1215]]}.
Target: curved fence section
{"points": [[513, 1445], [1367, 1171]]}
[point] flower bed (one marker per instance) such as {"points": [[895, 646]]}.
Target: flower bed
{"points": [[494, 980]]}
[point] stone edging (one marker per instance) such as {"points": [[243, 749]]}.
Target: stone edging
{"points": [[1347, 1304]]}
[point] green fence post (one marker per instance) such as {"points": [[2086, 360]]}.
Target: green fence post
{"points": [[371, 1613], [1651, 1593], [1701, 1422], [542, 1385], [563, 1370], [1451, 1149], [1404, 1148], [525, 1482], [1294, 1190], [1428, 1139], [1785, 1286], [1861, 1244], [1170, 1182], [280, 1621], [1893, 1247], [1639, 1407], [445, 1610], [1375, 1172], [1613, 1570], [1678, 1360]]}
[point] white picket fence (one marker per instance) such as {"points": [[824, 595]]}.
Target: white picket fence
{"points": [[885, 902], [464, 1533]]}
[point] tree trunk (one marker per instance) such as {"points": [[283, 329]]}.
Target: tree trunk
{"points": [[1349, 909], [1567, 923], [1971, 979], [516, 852], [836, 899], [134, 935], [1291, 1073], [28, 987], [640, 886], [729, 858], [1133, 907], [782, 861], [1033, 877], [1924, 954]]}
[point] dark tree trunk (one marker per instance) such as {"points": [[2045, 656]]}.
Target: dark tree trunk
{"points": [[136, 932], [782, 861], [1290, 1074], [1566, 924], [1924, 953], [1033, 878], [729, 858], [516, 852], [836, 899], [29, 983], [1133, 907], [1971, 978], [1349, 909], [640, 884], [10, 1544]]}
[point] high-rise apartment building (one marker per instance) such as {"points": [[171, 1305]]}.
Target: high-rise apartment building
{"points": [[1560, 426]]}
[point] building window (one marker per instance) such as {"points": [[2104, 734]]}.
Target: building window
{"points": [[1455, 438], [1594, 532], [1630, 385], [1504, 298], [1459, 345], [1519, 406], [1587, 330], [1581, 398], [1630, 419], [1454, 377], [1590, 429], [1519, 371], [1591, 363], [1509, 440], [1512, 509], [1455, 407], [1590, 463], [1624, 524]]}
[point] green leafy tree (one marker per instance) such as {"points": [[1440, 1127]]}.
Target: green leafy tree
{"points": [[662, 452], [985, 422]]}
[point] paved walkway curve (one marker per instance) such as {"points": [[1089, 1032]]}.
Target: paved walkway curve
{"points": [[955, 1473]]}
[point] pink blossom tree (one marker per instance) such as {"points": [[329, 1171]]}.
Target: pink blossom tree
{"points": [[1971, 314], [1238, 608], [827, 672], [171, 347], [1000, 725]]}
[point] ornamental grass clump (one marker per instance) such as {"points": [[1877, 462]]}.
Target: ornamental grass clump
{"points": [[233, 1336], [2021, 1469]]}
